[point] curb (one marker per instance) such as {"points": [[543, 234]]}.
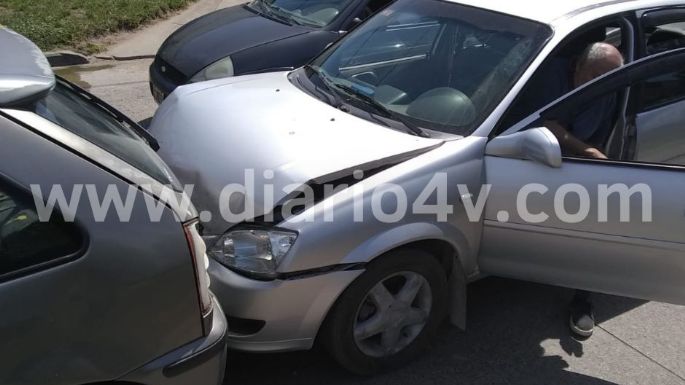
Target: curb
{"points": [[124, 58], [66, 58]]}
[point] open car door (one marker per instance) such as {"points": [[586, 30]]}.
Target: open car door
{"points": [[614, 226]]}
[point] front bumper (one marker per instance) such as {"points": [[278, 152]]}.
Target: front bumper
{"points": [[164, 79], [280, 315], [202, 361]]}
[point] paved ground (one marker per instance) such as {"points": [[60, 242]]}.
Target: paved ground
{"points": [[146, 41], [517, 335], [517, 331], [124, 82]]}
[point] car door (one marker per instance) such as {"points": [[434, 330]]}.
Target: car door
{"points": [[612, 226]]}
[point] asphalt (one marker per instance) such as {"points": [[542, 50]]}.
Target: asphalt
{"points": [[517, 331], [518, 335]]}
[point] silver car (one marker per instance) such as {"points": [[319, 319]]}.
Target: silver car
{"points": [[86, 296], [423, 111]]}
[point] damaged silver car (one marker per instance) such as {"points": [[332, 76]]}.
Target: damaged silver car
{"points": [[300, 174]]}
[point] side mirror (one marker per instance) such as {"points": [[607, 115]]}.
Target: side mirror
{"points": [[536, 144]]}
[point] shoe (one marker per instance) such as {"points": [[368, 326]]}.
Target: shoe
{"points": [[582, 319]]}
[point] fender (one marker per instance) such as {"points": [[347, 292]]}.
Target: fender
{"points": [[414, 232]]}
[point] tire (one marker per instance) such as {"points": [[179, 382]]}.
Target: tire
{"points": [[364, 306]]}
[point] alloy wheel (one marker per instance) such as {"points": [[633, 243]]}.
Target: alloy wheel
{"points": [[392, 314]]}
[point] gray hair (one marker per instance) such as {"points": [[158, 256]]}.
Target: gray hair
{"points": [[600, 54]]}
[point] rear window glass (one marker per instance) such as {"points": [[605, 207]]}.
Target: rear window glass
{"points": [[25, 241], [66, 107]]}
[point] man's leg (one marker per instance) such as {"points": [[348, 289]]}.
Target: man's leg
{"points": [[582, 318]]}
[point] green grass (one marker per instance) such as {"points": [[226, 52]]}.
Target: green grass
{"points": [[71, 23]]}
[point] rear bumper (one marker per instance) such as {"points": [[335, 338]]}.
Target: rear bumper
{"points": [[203, 361]]}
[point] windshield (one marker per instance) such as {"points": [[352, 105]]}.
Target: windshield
{"points": [[313, 13], [68, 109], [442, 66]]}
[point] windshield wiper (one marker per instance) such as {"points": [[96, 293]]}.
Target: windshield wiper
{"points": [[99, 103], [284, 14], [274, 12], [328, 84], [385, 111]]}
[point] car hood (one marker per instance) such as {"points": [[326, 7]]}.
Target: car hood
{"points": [[211, 134], [219, 34]]}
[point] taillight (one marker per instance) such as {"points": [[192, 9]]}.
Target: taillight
{"points": [[201, 263]]}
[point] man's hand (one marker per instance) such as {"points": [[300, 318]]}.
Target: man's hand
{"points": [[570, 144], [594, 153]]}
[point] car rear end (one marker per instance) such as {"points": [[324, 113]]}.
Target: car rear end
{"points": [[128, 299]]}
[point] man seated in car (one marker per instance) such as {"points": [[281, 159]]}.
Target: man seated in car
{"points": [[587, 132]]}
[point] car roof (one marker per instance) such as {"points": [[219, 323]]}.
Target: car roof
{"points": [[552, 11], [25, 73]]}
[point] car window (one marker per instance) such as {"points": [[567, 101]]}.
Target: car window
{"points": [[372, 7], [660, 120], [553, 78], [662, 90], [315, 13], [443, 65], [67, 108], [594, 121], [398, 42], [25, 241], [665, 38], [636, 130]]}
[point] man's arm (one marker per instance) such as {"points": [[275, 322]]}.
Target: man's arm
{"points": [[571, 144]]}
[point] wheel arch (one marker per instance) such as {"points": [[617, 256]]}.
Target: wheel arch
{"points": [[449, 257], [443, 241], [446, 243]]}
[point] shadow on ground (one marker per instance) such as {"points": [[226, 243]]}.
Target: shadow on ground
{"points": [[508, 321]]}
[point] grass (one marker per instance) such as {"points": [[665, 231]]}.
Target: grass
{"points": [[72, 23]]}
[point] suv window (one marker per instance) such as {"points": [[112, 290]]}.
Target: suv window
{"points": [[25, 241], [66, 107]]}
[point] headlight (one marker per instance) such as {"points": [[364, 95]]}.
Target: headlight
{"points": [[220, 69], [254, 252]]}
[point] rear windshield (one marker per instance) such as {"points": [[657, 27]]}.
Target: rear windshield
{"points": [[66, 107]]}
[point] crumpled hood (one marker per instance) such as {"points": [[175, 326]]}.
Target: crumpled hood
{"points": [[219, 34], [211, 133]]}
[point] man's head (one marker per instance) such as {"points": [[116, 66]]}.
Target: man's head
{"points": [[595, 61]]}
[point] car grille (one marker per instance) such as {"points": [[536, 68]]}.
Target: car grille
{"points": [[170, 72]]}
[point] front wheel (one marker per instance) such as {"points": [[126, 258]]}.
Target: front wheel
{"points": [[389, 314]]}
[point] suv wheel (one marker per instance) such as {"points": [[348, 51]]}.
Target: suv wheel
{"points": [[389, 314]]}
